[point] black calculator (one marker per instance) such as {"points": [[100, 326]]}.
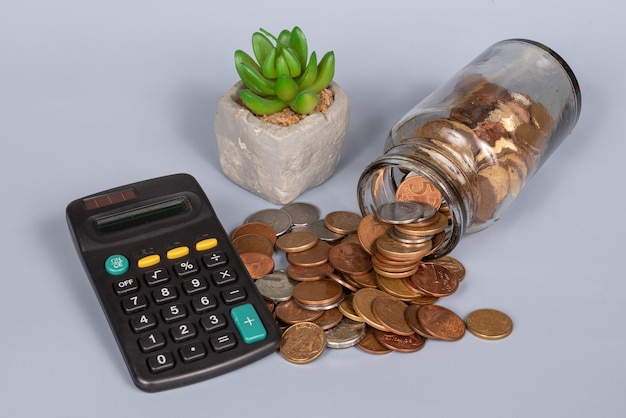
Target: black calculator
{"points": [[177, 297]]}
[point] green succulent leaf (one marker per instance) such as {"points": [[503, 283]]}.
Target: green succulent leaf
{"points": [[298, 43], [325, 72], [261, 46], [283, 38], [286, 88], [261, 105], [253, 79], [309, 75], [282, 68], [304, 103], [293, 62], [269, 65]]}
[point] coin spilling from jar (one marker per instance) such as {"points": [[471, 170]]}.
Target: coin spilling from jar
{"points": [[363, 281]]}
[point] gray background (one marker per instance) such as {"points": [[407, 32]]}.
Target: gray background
{"points": [[94, 95]]}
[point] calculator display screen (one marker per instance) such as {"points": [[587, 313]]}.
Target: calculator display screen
{"points": [[142, 215]]}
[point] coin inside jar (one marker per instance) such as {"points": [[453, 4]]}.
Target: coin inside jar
{"points": [[400, 212]]}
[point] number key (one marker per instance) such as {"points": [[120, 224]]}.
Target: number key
{"points": [[161, 362], [134, 303], [183, 332], [174, 313], [195, 285], [165, 294], [151, 342]]}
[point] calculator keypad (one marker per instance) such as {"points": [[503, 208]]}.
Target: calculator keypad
{"points": [[174, 311]]}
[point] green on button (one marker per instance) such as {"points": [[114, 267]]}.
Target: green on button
{"points": [[116, 264], [248, 323]]}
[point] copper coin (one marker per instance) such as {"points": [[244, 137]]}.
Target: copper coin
{"points": [[390, 312], [258, 228], [307, 274], [489, 324], [453, 265], [351, 239], [424, 230], [315, 256], [412, 320], [362, 303], [342, 222], [253, 243], [302, 343], [290, 313], [369, 230], [419, 189], [350, 259], [441, 322], [344, 280], [318, 293], [257, 264], [371, 345], [329, 319], [296, 241], [397, 250], [365, 280], [401, 343], [396, 288], [435, 280]]}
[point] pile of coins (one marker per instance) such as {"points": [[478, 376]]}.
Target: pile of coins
{"points": [[358, 281]]}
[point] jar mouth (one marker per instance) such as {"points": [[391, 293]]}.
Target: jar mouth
{"points": [[380, 180]]}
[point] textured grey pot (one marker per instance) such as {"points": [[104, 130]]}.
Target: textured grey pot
{"points": [[275, 162]]}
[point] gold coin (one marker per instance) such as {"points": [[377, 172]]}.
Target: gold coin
{"points": [[390, 312], [302, 343], [362, 303], [397, 288], [396, 250], [347, 309], [424, 230], [296, 241], [418, 188], [342, 222], [489, 324]]}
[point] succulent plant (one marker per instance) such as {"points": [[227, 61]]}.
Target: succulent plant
{"points": [[283, 75]]}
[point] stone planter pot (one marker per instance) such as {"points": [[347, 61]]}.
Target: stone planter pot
{"points": [[276, 162]]}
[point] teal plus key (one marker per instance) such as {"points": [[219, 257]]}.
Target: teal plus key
{"points": [[248, 323]]}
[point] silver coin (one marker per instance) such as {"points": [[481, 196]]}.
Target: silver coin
{"points": [[400, 212], [302, 213], [275, 286], [276, 218], [429, 212], [347, 333], [322, 232]]}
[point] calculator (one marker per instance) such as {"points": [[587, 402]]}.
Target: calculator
{"points": [[177, 297]]}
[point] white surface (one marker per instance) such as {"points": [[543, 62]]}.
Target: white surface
{"points": [[99, 94]]}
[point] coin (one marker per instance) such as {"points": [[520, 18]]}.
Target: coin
{"points": [[420, 189], [362, 303], [302, 343], [276, 218], [275, 286], [290, 312], [342, 222], [365, 280], [258, 228], [344, 280], [389, 311], [369, 230], [424, 229], [302, 213], [396, 250], [307, 274], [296, 241], [400, 212], [453, 265], [347, 309], [397, 288], [347, 333], [371, 345], [315, 256], [350, 259], [435, 280], [489, 324], [412, 320], [253, 243], [329, 319], [318, 293], [441, 322], [401, 343], [257, 264], [319, 228]]}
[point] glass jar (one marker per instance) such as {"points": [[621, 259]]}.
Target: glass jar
{"points": [[477, 140]]}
